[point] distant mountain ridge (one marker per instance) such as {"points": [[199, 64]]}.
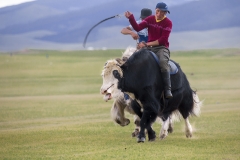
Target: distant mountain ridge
{"points": [[67, 21]]}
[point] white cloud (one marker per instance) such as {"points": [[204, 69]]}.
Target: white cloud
{"points": [[4, 3]]}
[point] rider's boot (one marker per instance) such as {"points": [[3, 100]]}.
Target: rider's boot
{"points": [[167, 84]]}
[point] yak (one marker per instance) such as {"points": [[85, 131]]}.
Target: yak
{"points": [[140, 78]]}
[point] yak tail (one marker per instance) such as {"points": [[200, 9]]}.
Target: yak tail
{"points": [[197, 104], [196, 110]]}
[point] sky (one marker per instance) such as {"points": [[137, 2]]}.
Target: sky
{"points": [[5, 3]]}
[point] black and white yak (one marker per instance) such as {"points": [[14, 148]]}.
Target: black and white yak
{"points": [[140, 78]]}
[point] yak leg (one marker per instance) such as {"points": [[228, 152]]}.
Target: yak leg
{"points": [[136, 108], [148, 116], [150, 131], [188, 128], [170, 127], [164, 130], [185, 114], [137, 126], [150, 112], [137, 118], [143, 126], [117, 113], [147, 119]]}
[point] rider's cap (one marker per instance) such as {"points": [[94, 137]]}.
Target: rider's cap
{"points": [[163, 7], [145, 12]]}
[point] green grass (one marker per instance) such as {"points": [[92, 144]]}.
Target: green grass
{"points": [[51, 108]]}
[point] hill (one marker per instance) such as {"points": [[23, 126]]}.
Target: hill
{"points": [[65, 22]]}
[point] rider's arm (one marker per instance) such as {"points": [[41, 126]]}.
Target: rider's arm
{"points": [[153, 43], [129, 31], [137, 27], [126, 30], [144, 44]]}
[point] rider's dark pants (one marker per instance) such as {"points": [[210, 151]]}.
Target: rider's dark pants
{"points": [[163, 55]]}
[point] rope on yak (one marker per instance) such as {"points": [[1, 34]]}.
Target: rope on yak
{"points": [[85, 40]]}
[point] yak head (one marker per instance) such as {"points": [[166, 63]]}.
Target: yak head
{"points": [[111, 74]]}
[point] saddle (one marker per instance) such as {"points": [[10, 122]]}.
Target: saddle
{"points": [[175, 76], [176, 80], [173, 67]]}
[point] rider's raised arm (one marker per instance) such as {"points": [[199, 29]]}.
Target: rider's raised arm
{"points": [[137, 27]]}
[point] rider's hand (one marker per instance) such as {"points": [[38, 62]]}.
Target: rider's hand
{"points": [[141, 45], [128, 14], [134, 35]]}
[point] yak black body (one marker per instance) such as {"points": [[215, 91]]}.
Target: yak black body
{"points": [[142, 77]]}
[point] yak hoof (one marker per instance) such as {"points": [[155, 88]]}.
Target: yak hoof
{"points": [[141, 139], [151, 136], [162, 137], [163, 134], [127, 122], [135, 133], [188, 134], [152, 139], [170, 129]]}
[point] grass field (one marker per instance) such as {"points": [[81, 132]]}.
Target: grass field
{"points": [[51, 108]]}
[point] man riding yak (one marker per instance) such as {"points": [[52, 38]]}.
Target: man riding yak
{"points": [[159, 28], [153, 82]]}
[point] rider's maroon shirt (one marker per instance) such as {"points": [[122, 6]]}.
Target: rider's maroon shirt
{"points": [[156, 30]]}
